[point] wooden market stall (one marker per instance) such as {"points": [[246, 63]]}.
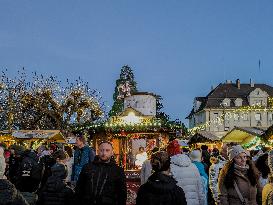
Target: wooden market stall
{"points": [[204, 137], [30, 138], [242, 135]]}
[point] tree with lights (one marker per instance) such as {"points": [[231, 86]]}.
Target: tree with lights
{"points": [[43, 103], [125, 86]]}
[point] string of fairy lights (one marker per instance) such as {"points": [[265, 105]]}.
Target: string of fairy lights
{"points": [[232, 114]]}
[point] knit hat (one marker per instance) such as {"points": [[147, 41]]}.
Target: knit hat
{"points": [[196, 155], [173, 148], [235, 151], [270, 161]]}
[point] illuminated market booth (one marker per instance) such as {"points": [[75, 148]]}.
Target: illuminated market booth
{"points": [[204, 138], [32, 138], [134, 128], [248, 137]]}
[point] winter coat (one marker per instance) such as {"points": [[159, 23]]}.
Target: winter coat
{"points": [[214, 172], [201, 168], [145, 172], [229, 196], [101, 183], [2, 163], [82, 157], [56, 191], [188, 178], [160, 189], [267, 195], [9, 195], [30, 173]]}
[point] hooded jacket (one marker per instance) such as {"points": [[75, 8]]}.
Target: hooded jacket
{"points": [[188, 178], [101, 183], [56, 191], [160, 189], [9, 194]]}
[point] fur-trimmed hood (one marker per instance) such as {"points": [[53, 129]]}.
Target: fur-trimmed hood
{"points": [[181, 160], [9, 194]]}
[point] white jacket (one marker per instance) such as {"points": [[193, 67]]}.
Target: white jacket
{"points": [[188, 178]]}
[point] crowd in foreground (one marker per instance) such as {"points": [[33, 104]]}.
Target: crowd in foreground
{"points": [[60, 176]]}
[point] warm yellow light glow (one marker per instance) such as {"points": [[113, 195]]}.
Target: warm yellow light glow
{"points": [[131, 118]]}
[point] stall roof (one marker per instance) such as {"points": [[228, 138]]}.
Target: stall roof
{"points": [[203, 136], [54, 135], [242, 134]]}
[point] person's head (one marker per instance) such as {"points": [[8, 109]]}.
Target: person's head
{"points": [[60, 156], [141, 149], [105, 151], [53, 148], [81, 141], [215, 152], [160, 161], [196, 155], [262, 165], [59, 171], [238, 155], [204, 147], [173, 148]]}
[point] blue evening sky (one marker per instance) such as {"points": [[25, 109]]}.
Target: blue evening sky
{"points": [[177, 48]]}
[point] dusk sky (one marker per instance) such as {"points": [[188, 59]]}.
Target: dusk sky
{"points": [[177, 49]]}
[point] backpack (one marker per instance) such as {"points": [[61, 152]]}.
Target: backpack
{"points": [[32, 168]]}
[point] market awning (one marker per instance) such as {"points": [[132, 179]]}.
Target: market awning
{"points": [[50, 135], [202, 137], [242, 135]]}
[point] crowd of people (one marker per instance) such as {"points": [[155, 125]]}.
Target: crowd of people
{"points": [[61, 175]]}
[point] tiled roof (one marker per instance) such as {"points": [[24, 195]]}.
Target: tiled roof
{"points": [[231, 91]]}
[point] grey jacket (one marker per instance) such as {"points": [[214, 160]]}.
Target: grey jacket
{"points": [[145, 172]]}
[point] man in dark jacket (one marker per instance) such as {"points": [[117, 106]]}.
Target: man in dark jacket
{"points": [[102, 182], [161, 188], [56, 191]]}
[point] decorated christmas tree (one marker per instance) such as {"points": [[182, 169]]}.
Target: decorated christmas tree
{"points": [[125, 86]]}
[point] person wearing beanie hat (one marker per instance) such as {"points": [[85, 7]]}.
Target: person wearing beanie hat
{"points": [[161, 187], [239, 180], [196, 158], [267, 194], [173, 148]]}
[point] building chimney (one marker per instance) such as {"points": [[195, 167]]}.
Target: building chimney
{"points": [[238, 84], [228, 81], [251, 83]]}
